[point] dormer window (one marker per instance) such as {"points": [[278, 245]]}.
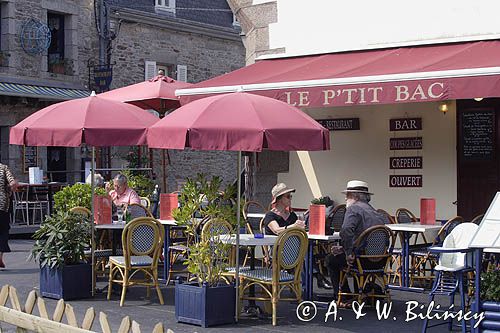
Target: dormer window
{"points": [[165, 6]]}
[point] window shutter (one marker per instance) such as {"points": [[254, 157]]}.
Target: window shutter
{"points": [[182, 73], [149, 69]]}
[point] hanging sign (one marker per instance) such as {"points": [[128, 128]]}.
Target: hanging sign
{"points": [[103, 75], [407, 162], [405, 181], [340, 124], [405, 124], [405, 143]]}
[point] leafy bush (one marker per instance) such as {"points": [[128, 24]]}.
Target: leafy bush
{"points": [[490, 286], [75, 195], [322, 201], [140, 182], [61, 240], [203, 198]]}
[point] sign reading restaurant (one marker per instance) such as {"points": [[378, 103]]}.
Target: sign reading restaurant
{"points": [[386, 93], [340, 124]]}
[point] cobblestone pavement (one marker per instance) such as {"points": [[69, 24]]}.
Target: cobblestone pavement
{"points": [[23, 275]]}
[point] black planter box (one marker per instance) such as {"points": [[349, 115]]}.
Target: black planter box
{"points": [[205, 306], [68, 282]]}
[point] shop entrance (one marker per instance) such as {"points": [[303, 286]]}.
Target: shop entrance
{"points": [[56, 164], [477, 156]]}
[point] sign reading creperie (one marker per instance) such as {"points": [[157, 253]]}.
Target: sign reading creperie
{"points": [[418, 91]]}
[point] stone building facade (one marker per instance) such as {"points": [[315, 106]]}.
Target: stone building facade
{"points": [[196, 37]]}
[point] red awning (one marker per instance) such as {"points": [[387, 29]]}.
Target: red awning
{"points": [[398, 75]]}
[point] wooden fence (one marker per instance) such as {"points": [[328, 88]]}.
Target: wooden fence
{"points": [[23, 318]]}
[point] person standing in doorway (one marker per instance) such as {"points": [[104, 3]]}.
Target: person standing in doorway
{"points": [[8, 184]]}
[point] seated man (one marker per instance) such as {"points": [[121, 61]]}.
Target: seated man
{"points": [[122, 195], [359, 216]]}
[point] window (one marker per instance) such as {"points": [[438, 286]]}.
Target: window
{"points": [[56, 49], [165, 5]]}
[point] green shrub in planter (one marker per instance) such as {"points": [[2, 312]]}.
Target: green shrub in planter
{"points": [[61, 240], [490, 286], [75, 195]]}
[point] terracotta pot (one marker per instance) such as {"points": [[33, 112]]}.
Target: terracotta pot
{"points": [[168, 202], [317, 219]]}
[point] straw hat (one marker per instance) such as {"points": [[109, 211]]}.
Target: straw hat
{"points": [[357, 186], [280, 189]]}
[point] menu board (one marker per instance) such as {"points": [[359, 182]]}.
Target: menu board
{"points": [[488, 233], [30, 157], [478, 134]]}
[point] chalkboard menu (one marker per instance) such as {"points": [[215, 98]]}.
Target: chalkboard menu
{"points": [[478, 134], [30, 157]]}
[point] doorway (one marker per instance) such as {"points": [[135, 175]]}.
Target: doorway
{"points": [[56, 164], [478, 160]]}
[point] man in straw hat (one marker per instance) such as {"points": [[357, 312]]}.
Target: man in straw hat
{"points": [[281, 217], [359, 216]]}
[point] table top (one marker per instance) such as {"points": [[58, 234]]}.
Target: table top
{"points": [[248, 240], [492, 250], [335, 236], [413, 227], [51, 184], [116, 225]]}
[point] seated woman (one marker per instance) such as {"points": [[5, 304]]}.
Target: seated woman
{"points": [[281, 217]]}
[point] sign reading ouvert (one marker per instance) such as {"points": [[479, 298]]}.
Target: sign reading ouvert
{"points": [[405, 181]]}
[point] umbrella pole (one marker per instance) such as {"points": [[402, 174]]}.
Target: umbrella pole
{"points": [[238, 213], [92, 237]]}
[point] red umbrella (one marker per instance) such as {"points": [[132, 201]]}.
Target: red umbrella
{"points": [[242, 122], [92, 120], [239, 122], [157, 93]]}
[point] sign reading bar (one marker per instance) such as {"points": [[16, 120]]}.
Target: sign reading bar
{"points": [[478, 135], [405, 143], [405, 181], [340, 124], [405, 124], [30, 157], [407, 162]]}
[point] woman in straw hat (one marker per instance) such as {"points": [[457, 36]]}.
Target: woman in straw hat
{"points": [[281, 217]]}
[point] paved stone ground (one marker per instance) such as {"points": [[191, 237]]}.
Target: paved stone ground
{"points": [[24, 276]]}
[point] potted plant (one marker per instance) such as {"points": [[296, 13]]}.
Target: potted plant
{"points": [[490, 299], [59, 247], [206, 260], [75, 195], [317, 211]]}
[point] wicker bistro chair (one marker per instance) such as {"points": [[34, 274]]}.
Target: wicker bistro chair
{"points": [[142, 242], [389, 218], [145, 202], [404, 215], [288, 259], [81, 210], [138, 210], [455, 268], [252, 224], [424, 260], [337, 217], [477, 219], [372, 250]]}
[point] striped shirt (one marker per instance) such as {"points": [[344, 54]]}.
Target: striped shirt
{"points": [[6, 180]]}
